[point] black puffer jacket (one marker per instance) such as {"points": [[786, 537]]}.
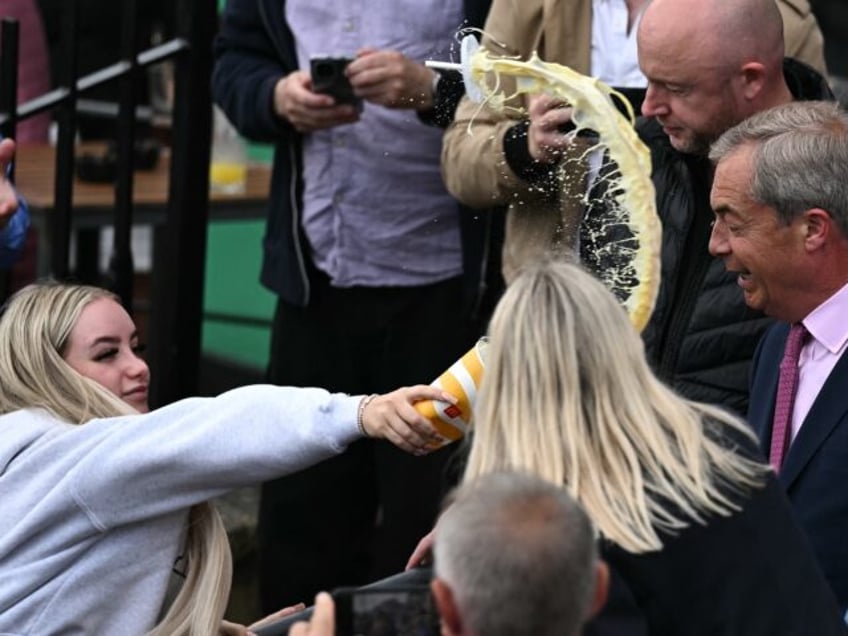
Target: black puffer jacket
{"points": [[701, 336]]}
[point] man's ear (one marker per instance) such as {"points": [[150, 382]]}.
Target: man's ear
{"points": [[753, 80], [449, 613], [817, 227], [599, 599]]}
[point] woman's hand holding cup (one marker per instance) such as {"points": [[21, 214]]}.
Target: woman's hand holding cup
{"points": [[392, 417]]}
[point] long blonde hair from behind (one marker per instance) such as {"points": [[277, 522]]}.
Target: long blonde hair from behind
{"points": [[34, 331], [568, 395]]}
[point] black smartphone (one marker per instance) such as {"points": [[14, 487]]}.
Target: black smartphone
{"points": [[408, 610], [328, 77]]}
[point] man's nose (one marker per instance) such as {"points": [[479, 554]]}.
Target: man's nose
{"points": [[719, 245], [653, 104]]}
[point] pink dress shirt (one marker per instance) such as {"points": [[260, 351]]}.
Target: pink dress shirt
{"points": [[828, 327]]}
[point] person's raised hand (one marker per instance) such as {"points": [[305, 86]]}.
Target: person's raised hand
{"points": [[306, 110], [545, 139], [394, 418], [323, 621], [8, 195], [391, 79]]}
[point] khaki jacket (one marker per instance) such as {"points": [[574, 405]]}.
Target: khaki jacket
{"points": [[473, 163], [802, 37]]}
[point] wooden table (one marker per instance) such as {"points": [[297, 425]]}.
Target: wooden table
{"points": [[93, 203]]}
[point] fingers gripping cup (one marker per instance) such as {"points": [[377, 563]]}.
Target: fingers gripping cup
{"points": [[461, 380]]}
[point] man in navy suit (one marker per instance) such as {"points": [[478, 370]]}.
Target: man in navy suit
{"points": [[780, 198]]}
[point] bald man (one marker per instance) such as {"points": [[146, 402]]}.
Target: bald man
{"points": [[709, 64]]}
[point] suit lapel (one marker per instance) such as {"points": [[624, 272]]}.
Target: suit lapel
{"points": [[830, 406], [766, 367]]}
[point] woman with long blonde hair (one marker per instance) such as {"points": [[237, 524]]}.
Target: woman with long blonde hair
{"points": [[688, 514], [104, 502]]}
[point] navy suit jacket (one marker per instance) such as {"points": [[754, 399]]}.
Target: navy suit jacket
{"points": [[815, 470]]}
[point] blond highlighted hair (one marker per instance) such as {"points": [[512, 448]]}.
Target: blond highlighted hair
{"points": [[568, 395], [34, 330]]}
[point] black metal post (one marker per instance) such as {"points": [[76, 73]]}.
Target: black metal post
{"points": [[9, 31], [121, 263], [9, 76], [177, 299], [60, 220]]}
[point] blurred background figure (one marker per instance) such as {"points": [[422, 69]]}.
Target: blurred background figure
{"points": [[802, 34], [833, 19]]}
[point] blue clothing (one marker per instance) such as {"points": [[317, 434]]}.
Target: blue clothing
{"points": [[816, 466], [12, 236]]}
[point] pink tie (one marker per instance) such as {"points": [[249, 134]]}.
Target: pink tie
{"points": [[781, 430]]}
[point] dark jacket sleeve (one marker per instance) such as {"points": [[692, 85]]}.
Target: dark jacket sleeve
{"points": [[248, 64], [451, 87]]}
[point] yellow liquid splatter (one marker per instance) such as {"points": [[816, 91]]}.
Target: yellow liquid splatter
{"points": [[593, 109]]}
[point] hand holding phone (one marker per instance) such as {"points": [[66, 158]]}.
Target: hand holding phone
{"points": [[328, 77]]}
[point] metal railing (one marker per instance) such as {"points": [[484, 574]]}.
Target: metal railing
{"points": [[179, 261]]}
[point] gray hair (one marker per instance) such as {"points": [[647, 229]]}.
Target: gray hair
{"points": [[519, 555], [800, 158]]}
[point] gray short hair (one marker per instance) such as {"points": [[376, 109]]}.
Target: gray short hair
{"points": [[519, 555], [800, 158]]}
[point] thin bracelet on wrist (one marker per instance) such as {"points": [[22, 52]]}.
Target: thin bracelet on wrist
{"points": [[361, 411]]}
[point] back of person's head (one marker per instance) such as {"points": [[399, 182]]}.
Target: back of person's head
{"points": [[35, 326], [516, 555], [800, 158], [568, 395]]}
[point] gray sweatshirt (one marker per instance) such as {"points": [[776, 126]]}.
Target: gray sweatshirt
{"points": [[92, 517]]}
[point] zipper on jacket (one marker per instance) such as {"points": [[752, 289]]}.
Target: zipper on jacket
{"points": [[273, 34]]}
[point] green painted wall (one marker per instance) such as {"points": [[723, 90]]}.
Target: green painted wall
{"points": [[234, 252], [233, 258]]}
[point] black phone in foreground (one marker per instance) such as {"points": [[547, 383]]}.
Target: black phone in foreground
{"points": [[366, 611], [418, 578], [328, 77]]}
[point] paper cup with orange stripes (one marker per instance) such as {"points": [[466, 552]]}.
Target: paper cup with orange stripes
{"points": [[461, 380]]}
